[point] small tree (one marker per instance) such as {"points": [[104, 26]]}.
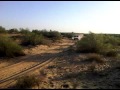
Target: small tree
{"points": [[2, 30], [24, 31], [14, 30]]}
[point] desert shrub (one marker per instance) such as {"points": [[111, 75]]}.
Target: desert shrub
{"points": [[68, 35], [48, 35], [14, 30], [43, 73], [2, 30], [24, 31], [93, 43], [27, 82], [51, 67], [8, 48], [112, 40], [54, 35], [32, 39], [112, 53], [36, 31], [95, 58]]}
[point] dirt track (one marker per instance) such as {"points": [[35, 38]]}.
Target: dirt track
{"points": [[63, 68], [36, 57]]}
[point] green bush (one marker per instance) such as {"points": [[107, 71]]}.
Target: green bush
{"points": [[27, 82], [2, 30], [14, 30], [68, 35], [54, 35], [113, 40], [112, 53], [93, 43], [8, 48], [32, 39], [24, 31]]}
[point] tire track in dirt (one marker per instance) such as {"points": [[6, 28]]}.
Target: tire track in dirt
{"points": [[45, 61], [16, 60], [11, 65], [26, 71], [20, 61], [13, 70]]}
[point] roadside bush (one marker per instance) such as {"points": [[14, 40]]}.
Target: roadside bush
{"points": [[68, 35], [24, 31], [93, 43], [27, 82], [8, 48], [2, 30], [54, 35], [32, 39], [112, 40], [36, 31], [111, 53], [14, 30]]}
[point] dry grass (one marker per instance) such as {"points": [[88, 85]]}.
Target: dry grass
{"points": [[27, 82], [95, 58]]}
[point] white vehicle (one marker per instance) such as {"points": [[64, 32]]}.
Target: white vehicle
{"points": [[77, 37]]}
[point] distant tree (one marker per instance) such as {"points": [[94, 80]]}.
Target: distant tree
{"points": [[14, 30], [2, 30], [50, 30], [68, 35], [24, 31], [36, 31]]}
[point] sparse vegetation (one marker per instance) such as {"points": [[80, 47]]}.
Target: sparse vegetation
{"points": [[40, 37], [43, 73], [32, 39], [24, 31], [68, 35], [8, 48], [94, 43], [2, 30], [95, 58], [26, 82], [90, 65], [14, 30], [112, 53], [53, 35]]}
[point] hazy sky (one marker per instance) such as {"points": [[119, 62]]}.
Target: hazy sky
{"points": [[63, 16]]}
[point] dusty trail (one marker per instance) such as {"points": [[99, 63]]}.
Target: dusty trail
{"points": [[36, 58]]}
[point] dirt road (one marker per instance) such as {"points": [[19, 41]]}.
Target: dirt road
{"points": [[63, 68], [35, 58]]}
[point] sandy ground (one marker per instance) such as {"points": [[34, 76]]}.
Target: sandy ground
{"points": [[63, 68], [34, 56]]}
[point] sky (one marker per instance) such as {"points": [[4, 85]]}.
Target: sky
{"points": [[62, 16]]}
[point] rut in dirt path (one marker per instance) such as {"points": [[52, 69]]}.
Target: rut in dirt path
{"points": [[40, 59]]}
